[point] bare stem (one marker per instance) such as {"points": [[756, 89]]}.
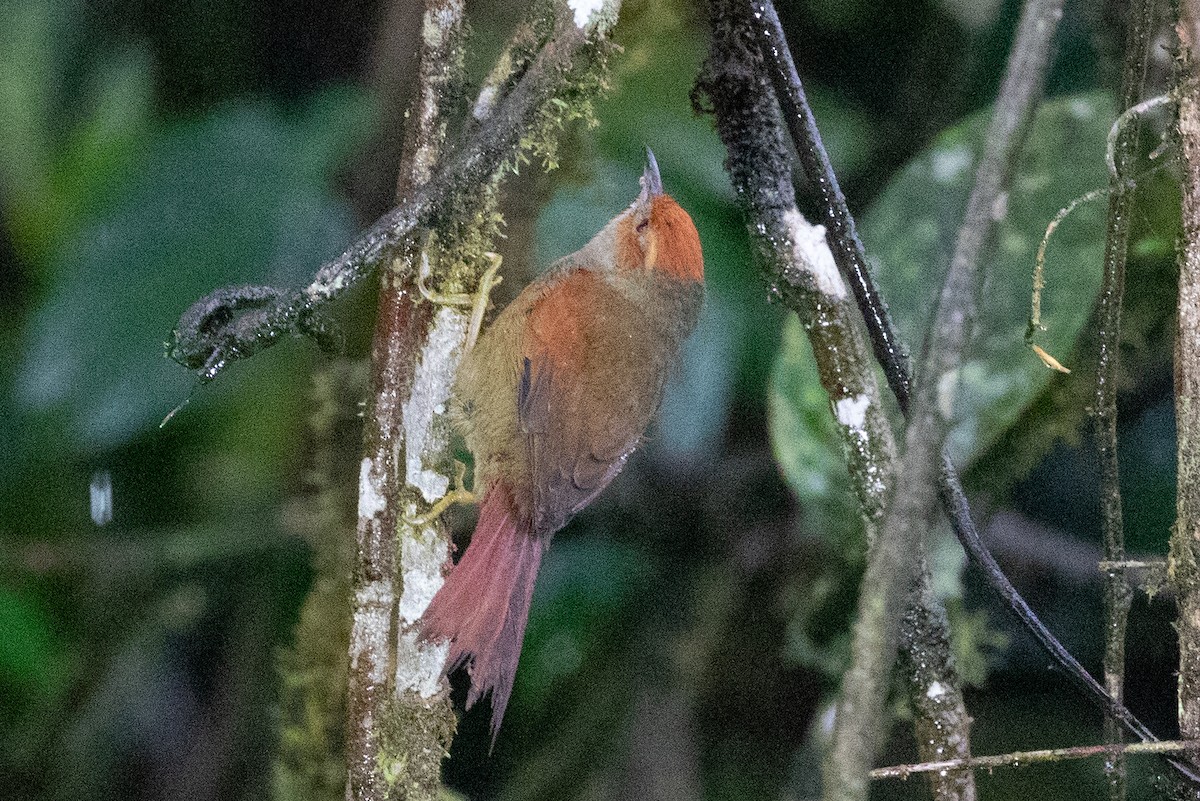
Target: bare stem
{"points": [[1117, 592], [1021, 758]]}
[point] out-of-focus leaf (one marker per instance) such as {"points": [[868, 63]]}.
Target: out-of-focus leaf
{"points": [[31, 657], [909, 234], [27, 76], [50, 178], [102, 145], [232, 198]]}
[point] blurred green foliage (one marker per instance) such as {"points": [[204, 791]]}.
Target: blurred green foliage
{"points": [[150, 154]]}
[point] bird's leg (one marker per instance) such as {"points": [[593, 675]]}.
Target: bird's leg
{"points": [[477, 302], [457, 494]]}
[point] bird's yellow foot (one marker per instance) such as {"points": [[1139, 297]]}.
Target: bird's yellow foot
{"points": [[478, 302], [457, 494]]}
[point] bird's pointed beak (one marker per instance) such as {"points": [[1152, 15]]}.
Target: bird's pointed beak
{"points": [[651, 181]]}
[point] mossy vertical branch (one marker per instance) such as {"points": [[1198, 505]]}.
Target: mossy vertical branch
{"points": [[1184, 561], [400, 722], [309, 765]]}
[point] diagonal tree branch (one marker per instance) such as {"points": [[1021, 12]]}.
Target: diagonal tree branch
{"points": [[236, 322]]}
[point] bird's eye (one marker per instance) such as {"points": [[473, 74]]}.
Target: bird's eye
{"points": [[642, 225]]}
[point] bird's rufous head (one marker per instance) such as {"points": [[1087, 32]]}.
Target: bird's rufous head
{"points": [[655, 233]]}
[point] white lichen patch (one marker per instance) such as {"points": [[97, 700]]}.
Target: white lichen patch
{"points": [[1081, 108], [999, 208], [372, 628], [371, 500], [485, 102], [947, 389], [324, 288], [421, 558], [584, 9], [439, 22], [431, 387], [419, 665], [852, 412], [811, 253]]}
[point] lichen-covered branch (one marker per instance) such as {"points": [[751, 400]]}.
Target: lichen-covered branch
{"points": [[1184, 563], [942, 727], [394, 742], [1117, 592], [800, 269]]}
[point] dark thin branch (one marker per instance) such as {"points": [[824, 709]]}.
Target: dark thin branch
{"points": [[1118, 594], [953, 497], [843, 238]]}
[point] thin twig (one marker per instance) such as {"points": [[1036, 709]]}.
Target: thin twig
{"points": [[1117, 593], [1019, 759], [1184, 559]]}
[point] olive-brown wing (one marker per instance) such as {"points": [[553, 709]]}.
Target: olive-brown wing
{"points": [[591, 380]]}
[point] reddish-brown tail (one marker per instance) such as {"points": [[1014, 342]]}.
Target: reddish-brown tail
{"points": [[484, 604]]}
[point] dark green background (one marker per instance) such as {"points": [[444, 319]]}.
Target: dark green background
{"points": [[687, 630]]}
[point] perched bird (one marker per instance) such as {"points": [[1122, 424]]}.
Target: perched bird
{"points": [[551, 401]]}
